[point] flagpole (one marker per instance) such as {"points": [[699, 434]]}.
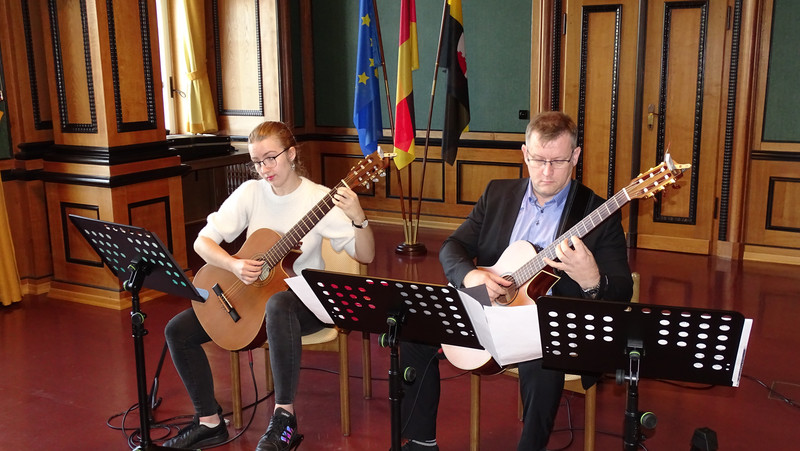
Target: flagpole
{"points": [[415, 228], [409, 246], [391, 117]]}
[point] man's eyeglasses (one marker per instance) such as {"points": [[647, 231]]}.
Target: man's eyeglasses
{"points": [[555, 164], [268, 162]]}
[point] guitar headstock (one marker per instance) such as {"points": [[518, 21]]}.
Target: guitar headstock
{"points": [[367, 170], [656, 178]]}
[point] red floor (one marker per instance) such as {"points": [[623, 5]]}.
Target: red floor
{"points": [[67, 368]]}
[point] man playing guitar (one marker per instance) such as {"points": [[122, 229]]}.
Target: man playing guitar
{"points": [[537, 210]]}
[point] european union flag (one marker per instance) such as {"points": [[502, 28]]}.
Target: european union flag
{"points": [[367, 105]]}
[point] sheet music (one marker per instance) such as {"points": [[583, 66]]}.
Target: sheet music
{"points": [[301, 288], [737, 370], [510, 334]]}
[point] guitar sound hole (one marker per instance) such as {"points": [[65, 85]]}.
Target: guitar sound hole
{"points": [[511, 293], [266, 272]]}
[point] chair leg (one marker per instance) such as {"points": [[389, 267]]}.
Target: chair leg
{"points": [[268, 371], [366, 362], [475, 412], [590, 418], [236, 390], [344, 384]]}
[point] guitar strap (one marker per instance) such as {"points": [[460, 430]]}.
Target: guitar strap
{"points": [[578, 201]]}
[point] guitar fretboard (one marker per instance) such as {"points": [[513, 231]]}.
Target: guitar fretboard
{"points": [[289, 241], [584, 226]]}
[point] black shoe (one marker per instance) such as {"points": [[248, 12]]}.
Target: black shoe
{"points": [[416, 446], [281, 434], [196, 435]]}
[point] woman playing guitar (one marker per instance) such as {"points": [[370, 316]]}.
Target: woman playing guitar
{"points": [[274, 211]]}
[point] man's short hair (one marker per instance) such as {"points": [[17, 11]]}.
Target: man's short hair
{"points": [[550, 125]]}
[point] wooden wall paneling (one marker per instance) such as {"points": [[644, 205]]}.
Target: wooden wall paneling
{"points": [[31, 128], [73, 65], [773, 190], [449, 192], [76, 272], [106, 72], [246, 64], [741, 67], [133, 66], [599, 87], [158, 207], [683, 76], [22, 42], [78, 277]]}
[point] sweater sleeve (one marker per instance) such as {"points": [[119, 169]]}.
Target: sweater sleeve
{"points": [[232, 218]]}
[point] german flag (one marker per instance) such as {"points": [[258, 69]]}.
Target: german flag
{"points": [[407, 61], [456, 113]]}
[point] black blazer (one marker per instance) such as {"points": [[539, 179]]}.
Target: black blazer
{"points": [[484, 235]]}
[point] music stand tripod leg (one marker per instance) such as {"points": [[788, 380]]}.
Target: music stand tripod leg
{"points": [[390, 339], [139, 270], [634, 419]]}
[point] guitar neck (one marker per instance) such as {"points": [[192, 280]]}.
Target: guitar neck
{"points": [[290, 240], [583, 227]]}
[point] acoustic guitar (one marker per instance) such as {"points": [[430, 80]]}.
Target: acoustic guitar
{"points": [[531, 277], [233, 314]]}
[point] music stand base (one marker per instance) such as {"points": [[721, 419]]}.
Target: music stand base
{"points": [[411, 249]]}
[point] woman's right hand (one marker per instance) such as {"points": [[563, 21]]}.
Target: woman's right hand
{"points": [[246, 270]]}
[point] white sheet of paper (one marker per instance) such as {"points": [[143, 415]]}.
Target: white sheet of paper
{"points": [[516, 333], [303, 290], [510, 334], [737, 369], [479, 323]]}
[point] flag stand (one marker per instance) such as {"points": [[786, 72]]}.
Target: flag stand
{"points": [[410, 246], [412, 223]]}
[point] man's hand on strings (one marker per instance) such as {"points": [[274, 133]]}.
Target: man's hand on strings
{"points": [[577, 261], [495, 285]]}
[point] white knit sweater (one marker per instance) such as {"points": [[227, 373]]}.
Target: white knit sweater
{"points": [[254, 205]]}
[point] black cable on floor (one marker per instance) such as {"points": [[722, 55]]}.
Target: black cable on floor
{"points": [[134, 439]]}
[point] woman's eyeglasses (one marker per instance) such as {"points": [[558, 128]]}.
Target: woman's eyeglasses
{"points": [[268, 162]]}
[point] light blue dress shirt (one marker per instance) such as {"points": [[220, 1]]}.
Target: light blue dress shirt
{"points": [[536, 223]]}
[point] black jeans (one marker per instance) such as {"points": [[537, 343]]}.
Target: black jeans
{"points": [[287, 320], [185, 337], [540, 389]]}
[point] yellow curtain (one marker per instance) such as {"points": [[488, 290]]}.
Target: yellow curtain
{"points": [[10, 291], [201, 116]]}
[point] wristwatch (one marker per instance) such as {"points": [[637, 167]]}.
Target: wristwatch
{"points": [[594, 292], [360, 226]]}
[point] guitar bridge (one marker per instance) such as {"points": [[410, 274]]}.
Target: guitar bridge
{"points": [[225, 303]]}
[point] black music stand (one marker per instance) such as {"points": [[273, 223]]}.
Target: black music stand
{"points": [[135, 255], [370, 304], [677, 343]]}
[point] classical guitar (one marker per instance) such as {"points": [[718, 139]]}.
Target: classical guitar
{"points": [[233, 314], [531, 277]]}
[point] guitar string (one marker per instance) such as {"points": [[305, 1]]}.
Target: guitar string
{"points": [[536, 264]]}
